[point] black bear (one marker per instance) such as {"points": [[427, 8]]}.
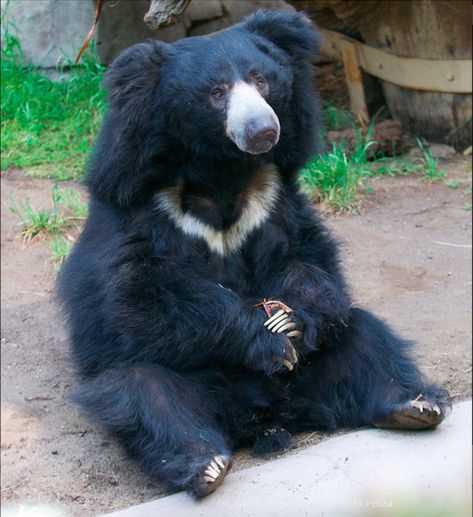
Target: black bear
{"points": [[205, 300]]}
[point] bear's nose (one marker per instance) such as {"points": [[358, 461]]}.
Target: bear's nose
{"points": [[261, 134], [266, 134], [258, 130]]}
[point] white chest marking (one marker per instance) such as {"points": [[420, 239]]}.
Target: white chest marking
{"points": [[260, 200]]}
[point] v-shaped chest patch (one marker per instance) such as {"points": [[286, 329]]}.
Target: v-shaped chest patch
{"points": [[261, 197]]}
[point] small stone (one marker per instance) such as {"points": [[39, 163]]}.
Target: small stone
{"points": [[441, 151]]}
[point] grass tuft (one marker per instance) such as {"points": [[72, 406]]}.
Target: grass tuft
{"points": [[337, 178], [67, 211], [336, 119], [60, 246], [429, 163]]}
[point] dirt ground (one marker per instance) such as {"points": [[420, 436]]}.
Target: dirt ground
{"points": [[407, 255]]}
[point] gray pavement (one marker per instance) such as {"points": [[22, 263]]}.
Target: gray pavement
{"points": [[363, 473]]}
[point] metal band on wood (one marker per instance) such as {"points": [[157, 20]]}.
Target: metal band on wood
{"points": [[433, 75]]}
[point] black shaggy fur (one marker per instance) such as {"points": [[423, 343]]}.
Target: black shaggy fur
{"points": [[173, 355]]}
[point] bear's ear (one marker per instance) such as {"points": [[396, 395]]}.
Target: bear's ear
{"points": [[121, 168], [292, 32], [296, 36], [136, 70]]}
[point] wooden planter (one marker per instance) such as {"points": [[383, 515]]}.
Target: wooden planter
{"points": [[421, 51]]}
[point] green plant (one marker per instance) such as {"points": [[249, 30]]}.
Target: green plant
{"points": [[429, 163], [336, 119], [71, 200], [42, 222], [48, 126], [336, 178], [454, 184], [394, 167], [35, 222], [61, 246]]}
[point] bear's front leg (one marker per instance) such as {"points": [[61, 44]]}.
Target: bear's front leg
{"points": [[186, 322]]}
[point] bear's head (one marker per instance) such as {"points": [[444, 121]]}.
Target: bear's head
{"points": [[244, 93]]}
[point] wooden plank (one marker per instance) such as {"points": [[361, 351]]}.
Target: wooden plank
{"points": [[354, 79], [433, 75]]}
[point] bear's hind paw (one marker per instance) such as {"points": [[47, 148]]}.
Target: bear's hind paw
{"points": [[416, 414], [212, 476]]}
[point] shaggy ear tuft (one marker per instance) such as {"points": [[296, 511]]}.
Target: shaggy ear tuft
{"points": [[296, 36], [292, 32], [136, 70], [121, 169]]}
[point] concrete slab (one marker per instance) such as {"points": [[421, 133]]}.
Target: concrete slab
{"points": [[368, 472]]}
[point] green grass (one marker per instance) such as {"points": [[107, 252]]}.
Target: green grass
{"points": [[60, 246], [70, 199], [67, 211], [430, 164], [48, 126], [453, 184], [337, 178], [336, 119]]}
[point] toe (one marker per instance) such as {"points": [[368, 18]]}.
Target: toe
{"points": [[212, 476], [414, 415]]}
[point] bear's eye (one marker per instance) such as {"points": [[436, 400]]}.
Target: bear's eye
{"points": [[261, 83], [217, 93]]}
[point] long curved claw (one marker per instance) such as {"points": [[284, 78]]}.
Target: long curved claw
{"points": [[275, 328], [417, 404], [294, 334], [274, 317], [291, 356], [282, 323], [288, 326], [288, 365], [295, 358], [281, 320]]}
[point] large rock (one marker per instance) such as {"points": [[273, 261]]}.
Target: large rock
{"points": [[121, 25], [204, 10], [51, 29], [237, 9]]}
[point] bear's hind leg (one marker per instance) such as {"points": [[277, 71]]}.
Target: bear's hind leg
{"points": [[168, 421], [398, 396], [365, 377], [401, 398]]}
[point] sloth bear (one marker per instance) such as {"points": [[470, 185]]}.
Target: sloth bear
{"points": [[205, 300]]}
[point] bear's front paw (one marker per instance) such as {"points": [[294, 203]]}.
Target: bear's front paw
{"points": [[272, 353], [284, 322]]}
